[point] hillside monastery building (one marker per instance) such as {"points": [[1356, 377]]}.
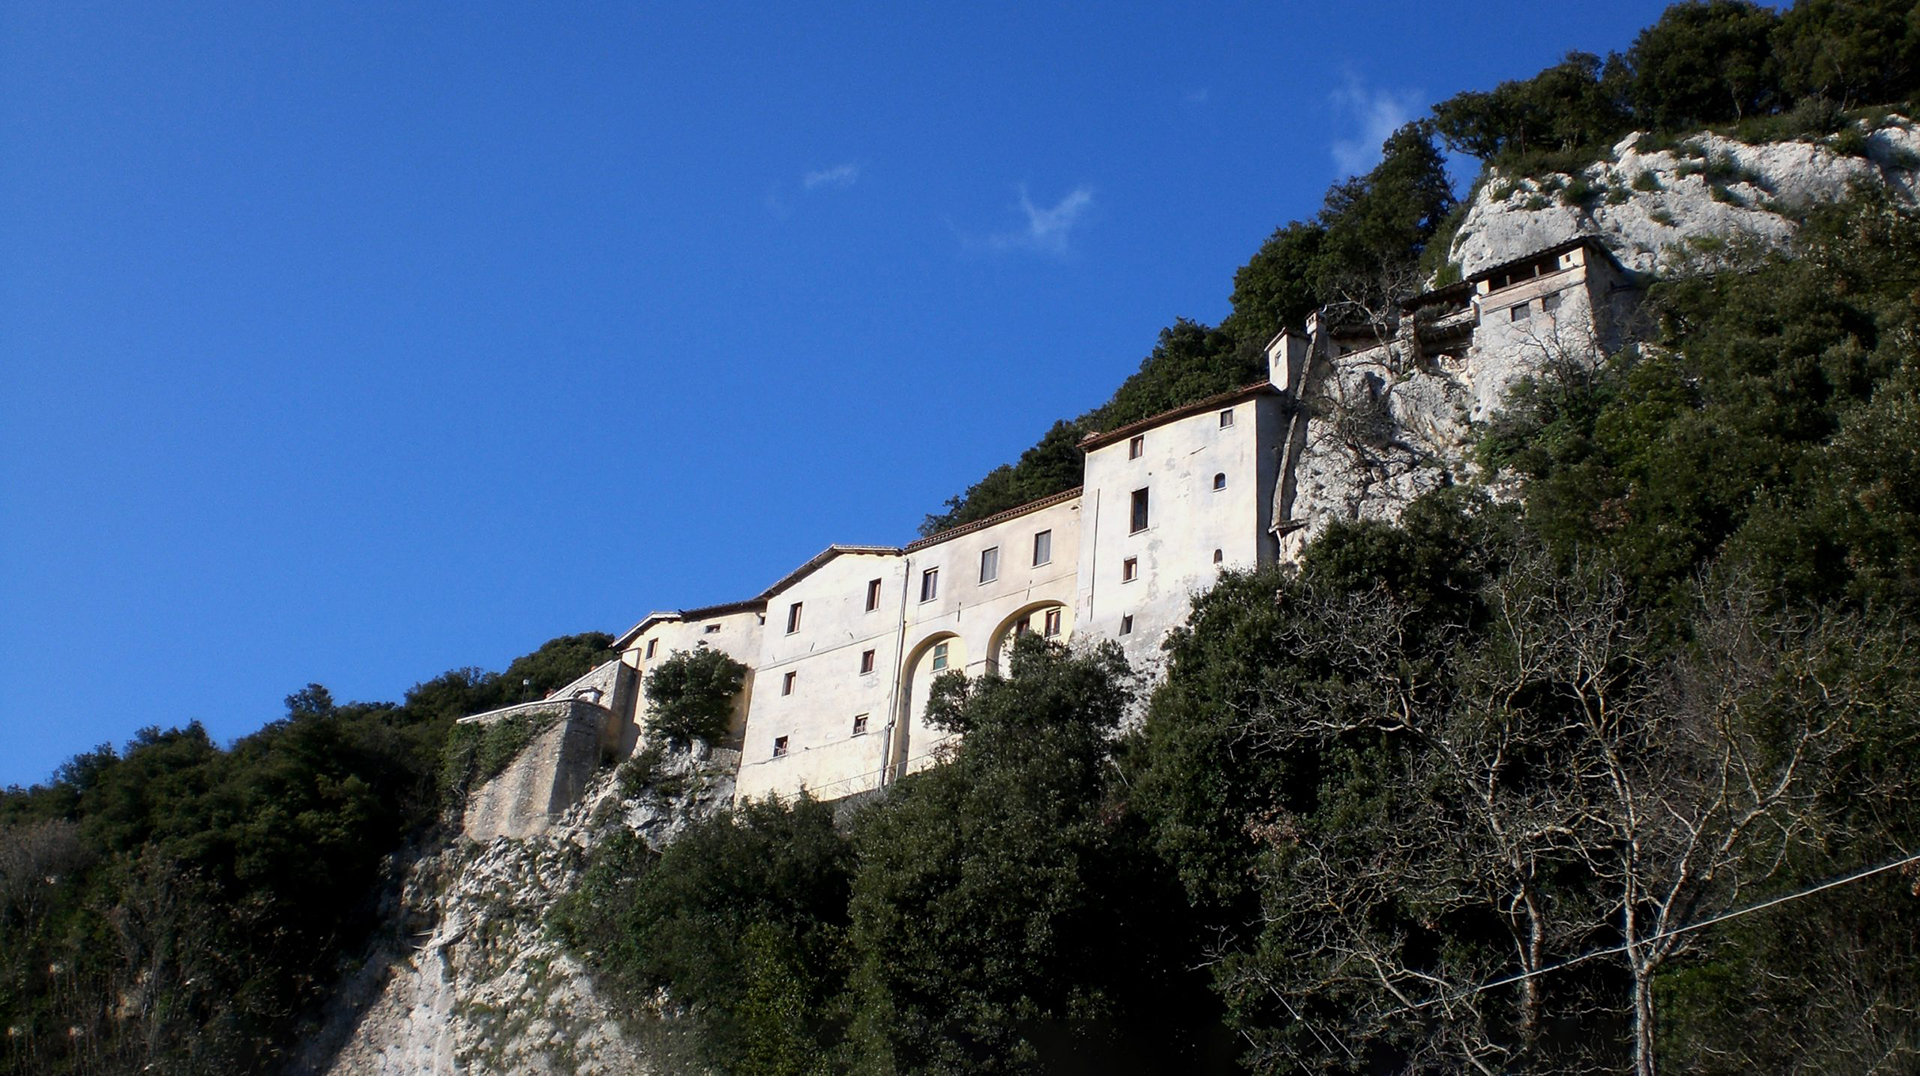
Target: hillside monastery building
{"points": [[842, 650]]}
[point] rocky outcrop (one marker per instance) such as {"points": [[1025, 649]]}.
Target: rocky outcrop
{"points": [[1661, 208], [1379, 421], [479, 984]]}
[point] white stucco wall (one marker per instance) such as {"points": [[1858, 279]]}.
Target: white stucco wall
{"points": [[735, 632], [1188, 519], [974, 616], [823, 752]]}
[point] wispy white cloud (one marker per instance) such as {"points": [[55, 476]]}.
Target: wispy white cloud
{"points": [[1198, 96], [842, 175], [1049, 229], [1376, 113]]}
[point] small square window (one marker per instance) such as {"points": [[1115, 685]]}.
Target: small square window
{"points": [[779, 746], [793, 618], [1521, 312], [787, 681], [1052, 623], [1137, 447], [1220, 481], [652, 645], [1550, 302], [873, 595], [1126, 624], [711, 629], [859, 724], [1042, 548], [989, 564], [1140, 515], [1226, 418], [929, 584], [1023, 628], [939, 656], [866, 661], [1129, 569]]}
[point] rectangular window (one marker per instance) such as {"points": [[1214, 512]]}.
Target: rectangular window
{"points": [[1137, 447], [1022, 628], [793, 618], [712, 629], [1220, 481], [786, 683], [873, 595], [1042, 548], [1129, 569], [1549, 302], [866, 661], [1226, 418], [859, 724], [939, 656], [1521, 312], [929, 584], [1126, 624], [989, 564], [779, 746], [1052, 622], [1139, 510], [652, 645]]}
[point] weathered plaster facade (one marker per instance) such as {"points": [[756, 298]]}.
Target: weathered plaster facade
{"points": [[843, 650]]}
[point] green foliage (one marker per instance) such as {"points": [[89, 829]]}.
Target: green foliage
{"points": [[1573, 106], [969, 925], [1704, 61], [1849, 51], [741, 920], [203, 899], [477, 753], [690, 695], [1743, 435], [1276, 288], [1005, 917]]}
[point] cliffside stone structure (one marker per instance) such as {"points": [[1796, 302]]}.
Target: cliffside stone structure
{"points": [[1351, 423]]}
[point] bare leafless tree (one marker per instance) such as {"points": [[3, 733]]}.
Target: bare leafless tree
{"points": [[1555, 810]]}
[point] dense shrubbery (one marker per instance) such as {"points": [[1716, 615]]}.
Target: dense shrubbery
{"points": [[176, 907], [1528, 745], [691, 695], [968, 923]]}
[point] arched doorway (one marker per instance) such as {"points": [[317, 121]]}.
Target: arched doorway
{"points": [[1050, 619], [914, 742]]}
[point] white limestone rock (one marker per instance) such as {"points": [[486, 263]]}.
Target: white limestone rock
{"points": [[488, 989], [1681, 220]]}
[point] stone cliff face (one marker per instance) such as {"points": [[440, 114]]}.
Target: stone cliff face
{"points": [[1381, 421], [479, 984], [1658, 210]]}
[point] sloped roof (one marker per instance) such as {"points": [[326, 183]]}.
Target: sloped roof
{"points": [[1588, 240], [751, 605], [996, 518], [1098, 438], [821, 558]]}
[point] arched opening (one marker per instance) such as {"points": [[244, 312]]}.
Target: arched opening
{"points": [[913, 741], [1051, 620]]}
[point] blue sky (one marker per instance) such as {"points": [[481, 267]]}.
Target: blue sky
{"points": [[353, 343]]}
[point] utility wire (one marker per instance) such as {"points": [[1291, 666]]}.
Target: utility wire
{"points": [[1687, 929]]}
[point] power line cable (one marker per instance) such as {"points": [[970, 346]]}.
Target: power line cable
{"points": [[1509, 980]]}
